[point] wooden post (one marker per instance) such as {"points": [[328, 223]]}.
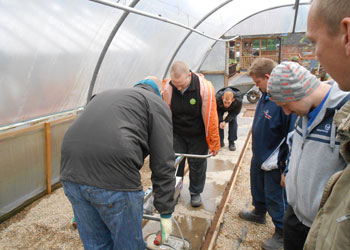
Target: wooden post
{"points": [[48, 157], [241, 63], [260, 52], [234, 51], [227, 63]]}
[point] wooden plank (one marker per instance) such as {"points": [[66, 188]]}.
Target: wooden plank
{"points": [[260, 52], [48, 157], [35, 127], [212, 233], [217, 72]]}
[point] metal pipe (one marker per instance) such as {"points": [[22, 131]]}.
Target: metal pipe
{"points": [[146, 14], [194, 156], [104, 50], [296, 7], [150, 217], [280, 50]]}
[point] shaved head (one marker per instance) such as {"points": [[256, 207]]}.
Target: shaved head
{"points": [[228, 96], [179, 69], [331, 13], [180, 75], [328, 27]]}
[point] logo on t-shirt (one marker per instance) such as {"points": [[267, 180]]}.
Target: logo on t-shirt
{"points": [[193, 101]]}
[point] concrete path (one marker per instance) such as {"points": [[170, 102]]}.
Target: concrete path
{"points": [[195, 222]]}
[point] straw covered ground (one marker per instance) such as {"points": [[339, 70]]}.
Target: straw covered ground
{"points": [[46, 223]]}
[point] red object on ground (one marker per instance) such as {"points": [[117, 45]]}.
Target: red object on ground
{"points": [[158, 240]]}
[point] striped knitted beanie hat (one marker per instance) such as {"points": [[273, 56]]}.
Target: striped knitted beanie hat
{"points": [[289, 81]]}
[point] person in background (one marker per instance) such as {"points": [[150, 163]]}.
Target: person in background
{"points": [[328, 28], [191, 99], [271, 127], [315, 155], [101, 155], [228, 99]]}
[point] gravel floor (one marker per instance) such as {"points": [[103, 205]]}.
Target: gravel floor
{"points": [[233, 227], [46, 223]]}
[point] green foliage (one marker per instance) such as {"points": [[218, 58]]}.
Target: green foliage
{"points": [[271, 44]]}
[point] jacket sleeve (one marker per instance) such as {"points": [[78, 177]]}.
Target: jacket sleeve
{"points": [[162, 158], [283, 158], [209, 113], [167, 92]]}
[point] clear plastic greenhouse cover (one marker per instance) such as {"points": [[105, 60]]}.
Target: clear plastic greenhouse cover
{"points": [[49, 49]]}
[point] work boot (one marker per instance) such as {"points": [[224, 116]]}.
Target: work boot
{"points": [[222, 144], [232, 147], [275, 242], [196, 200], [254, 216]]}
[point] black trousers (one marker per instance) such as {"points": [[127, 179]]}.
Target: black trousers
{"points": [[294, 232], [232, 130], [198, 167]]}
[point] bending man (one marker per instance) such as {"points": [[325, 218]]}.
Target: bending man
{"points": [[228, 100], [102, 153]]}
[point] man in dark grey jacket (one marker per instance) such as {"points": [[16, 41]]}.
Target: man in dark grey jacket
{"points": [[102, 153]]}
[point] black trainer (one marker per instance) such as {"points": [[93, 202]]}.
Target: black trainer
{"points": [[275, 242], [222, 144], [232, 147], [253, 216], [196, 200]]}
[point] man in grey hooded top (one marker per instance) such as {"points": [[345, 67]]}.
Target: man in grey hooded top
{"points": [[315, 154]]}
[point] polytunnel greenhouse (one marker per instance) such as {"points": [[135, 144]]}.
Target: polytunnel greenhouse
{"points": [[56, 54]]}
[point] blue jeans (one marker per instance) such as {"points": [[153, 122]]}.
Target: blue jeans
{"points": [[268, 195], [107, 219]]}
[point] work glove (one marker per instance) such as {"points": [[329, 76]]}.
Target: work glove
{"points": [[165, 226]]}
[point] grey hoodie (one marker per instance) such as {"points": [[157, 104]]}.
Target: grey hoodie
{"points": [[330, 229], [314, 158]]}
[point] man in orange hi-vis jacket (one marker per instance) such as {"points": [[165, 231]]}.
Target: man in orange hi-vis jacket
{"points": [[191, 99]]}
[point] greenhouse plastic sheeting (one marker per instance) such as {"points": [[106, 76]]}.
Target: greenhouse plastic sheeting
{"points": [[49, 49], [269, 25], [23, 165], [216, 58]]}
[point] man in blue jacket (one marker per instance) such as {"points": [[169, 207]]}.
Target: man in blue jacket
{"points": [[228, 99], [271, 127]]}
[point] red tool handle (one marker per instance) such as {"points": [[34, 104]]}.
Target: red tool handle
{"points": [[158, 240]]}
